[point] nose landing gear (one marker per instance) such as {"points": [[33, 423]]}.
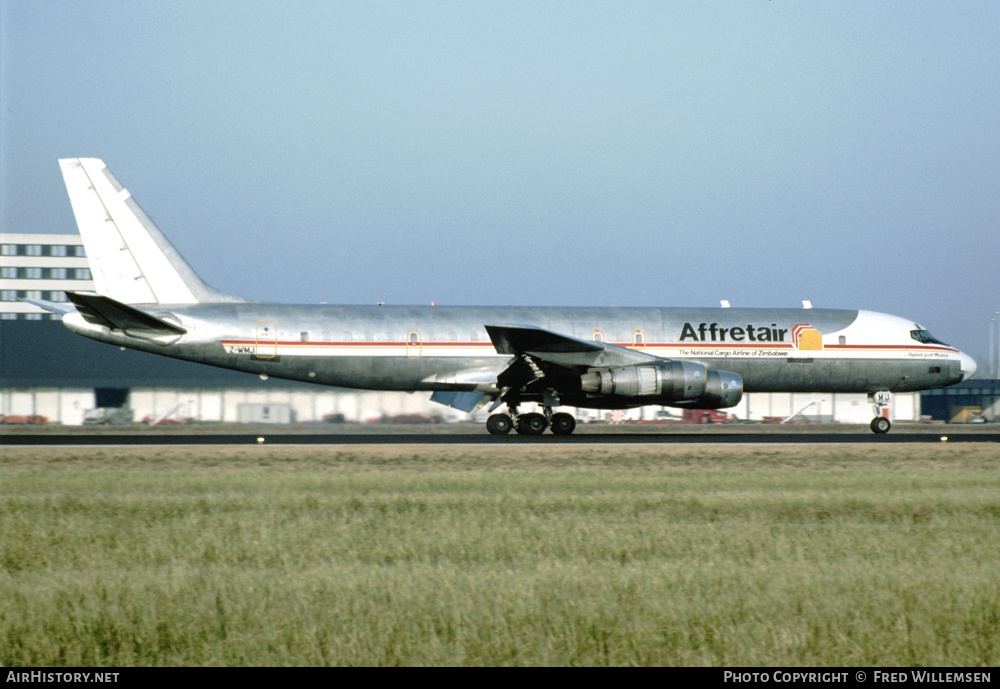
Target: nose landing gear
{"points": [[879, 400]]}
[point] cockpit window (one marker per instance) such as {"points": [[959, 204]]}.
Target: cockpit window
{"points": [[922, 335]]}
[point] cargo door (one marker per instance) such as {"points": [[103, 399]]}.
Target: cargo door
{"points": [[267, 340], [638, 338], [414, 344]]}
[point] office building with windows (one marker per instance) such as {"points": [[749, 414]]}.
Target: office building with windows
{"points": [[40, 266]]}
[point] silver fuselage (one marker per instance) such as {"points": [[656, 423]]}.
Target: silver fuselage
{"points": [[447, 348]]}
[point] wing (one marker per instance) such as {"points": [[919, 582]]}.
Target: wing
{"points": [[548, 364], [562, 350], [553, 369], [537, 354]]}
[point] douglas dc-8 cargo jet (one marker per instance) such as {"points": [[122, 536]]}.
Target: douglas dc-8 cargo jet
{"points": [[148, 298]]}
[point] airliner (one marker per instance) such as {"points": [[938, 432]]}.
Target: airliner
{"points": [[148, 298]]}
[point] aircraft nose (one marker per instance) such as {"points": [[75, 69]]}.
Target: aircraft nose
{"points": [[967, 364]]}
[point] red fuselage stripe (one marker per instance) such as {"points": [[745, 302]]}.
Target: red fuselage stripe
{"points": [[648, 345]]}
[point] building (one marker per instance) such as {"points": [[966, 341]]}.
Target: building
{"points": [[47, 370], [970, 401], [40, 266]]}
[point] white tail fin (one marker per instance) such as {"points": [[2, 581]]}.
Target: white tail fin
{"points": [[130, 259]]}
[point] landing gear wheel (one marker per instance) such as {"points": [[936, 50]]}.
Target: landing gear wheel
{"points": [[880, 400], [499, 424], [880, 424], [563, 423], [531, 424]]}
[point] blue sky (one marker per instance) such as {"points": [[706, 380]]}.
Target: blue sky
{"points": [[563, 153]]}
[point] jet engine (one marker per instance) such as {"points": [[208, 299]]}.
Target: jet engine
{"points": [[677, 383], [722, 389]]}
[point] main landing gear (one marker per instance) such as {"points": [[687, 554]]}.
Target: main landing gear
{"points": [[879, 399], [532, 423], [512, 383]]}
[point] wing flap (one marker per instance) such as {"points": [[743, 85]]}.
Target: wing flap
{"points": [[463, 401]]}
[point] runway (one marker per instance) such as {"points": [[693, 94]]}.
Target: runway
{"points": [[51, 439]]}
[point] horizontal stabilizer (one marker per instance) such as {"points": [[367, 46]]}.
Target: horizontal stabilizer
{"points": [[105, 311], [51, 306]]}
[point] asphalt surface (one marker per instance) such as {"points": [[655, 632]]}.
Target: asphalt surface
{"points": [[484, 438]]}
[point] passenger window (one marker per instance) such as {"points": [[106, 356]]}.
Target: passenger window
{"points": [[597, 335]]}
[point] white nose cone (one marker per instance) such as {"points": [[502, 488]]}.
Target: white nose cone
{"points": [[968, 365]]}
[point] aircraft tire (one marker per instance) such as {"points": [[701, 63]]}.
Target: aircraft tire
{"points": [[531, 424], [499, 424], [563, 423], [880, 424]]}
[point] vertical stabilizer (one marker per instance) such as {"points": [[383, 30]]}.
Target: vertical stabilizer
{"points": [[130, 259]]}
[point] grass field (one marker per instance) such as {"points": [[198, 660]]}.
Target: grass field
{"points": [[596, 555]]}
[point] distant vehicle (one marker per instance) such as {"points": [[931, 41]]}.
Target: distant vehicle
{"points": [[691, 416], [148, 298], [30, 419], [706, 416], [967, 414], [151, 420], [666, 415], [108, 416]]}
